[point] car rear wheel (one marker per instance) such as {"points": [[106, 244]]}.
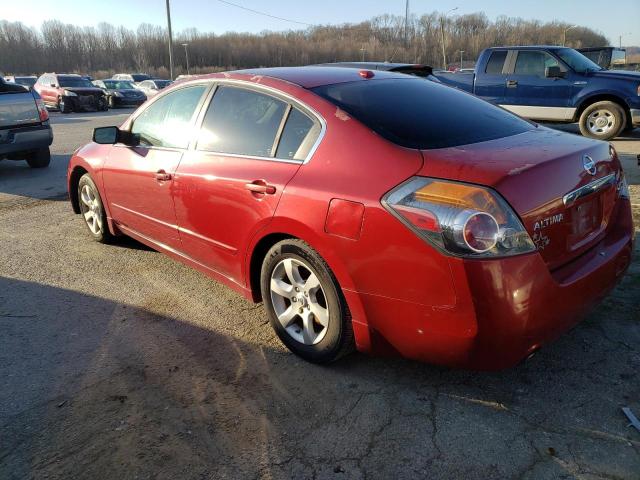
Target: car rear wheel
{"points": [[40, 158], [602, 120], [304, 302], [92, 210], [63, 106]]}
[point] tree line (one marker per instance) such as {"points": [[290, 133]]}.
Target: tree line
{"points": [[107, 49]]}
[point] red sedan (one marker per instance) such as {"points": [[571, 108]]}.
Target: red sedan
{"points": [[367, 210]]}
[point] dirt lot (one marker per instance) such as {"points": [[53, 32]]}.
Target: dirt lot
{"points": [[116, 362]]}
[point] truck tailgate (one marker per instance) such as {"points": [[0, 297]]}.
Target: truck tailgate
{"points": [[17, 108]]}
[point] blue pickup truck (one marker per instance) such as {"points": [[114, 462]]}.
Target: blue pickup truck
{"points": [[555, 84]]}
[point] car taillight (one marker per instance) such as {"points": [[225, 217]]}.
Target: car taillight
{"points": [[459, 218], [42, 110]]}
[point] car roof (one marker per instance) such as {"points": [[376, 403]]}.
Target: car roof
{"points": [[314, 76], [528, 47]]}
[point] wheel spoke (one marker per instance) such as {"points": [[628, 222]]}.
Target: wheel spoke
{"points": [[308, 335], [292, 272], [99, 223], [320, 313], [88, 215], [281, 288], [287, 316], [312, 283]]}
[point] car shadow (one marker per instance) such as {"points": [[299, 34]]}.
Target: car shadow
{"points": [[89, 385], [50, 183]]}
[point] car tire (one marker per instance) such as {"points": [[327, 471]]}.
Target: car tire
{"points": [[602, 120], [40, 158], [92, 210], [63, 106], [317, 324]]}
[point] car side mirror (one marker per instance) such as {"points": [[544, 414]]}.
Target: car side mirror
{"points": [[553, 72], [112, 135]]}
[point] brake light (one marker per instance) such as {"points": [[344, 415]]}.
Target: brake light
{"points": [[42, 110], [459, 218]]}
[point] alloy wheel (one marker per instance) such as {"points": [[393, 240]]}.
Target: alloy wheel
{"points": [[299, 301], [91, 209]]}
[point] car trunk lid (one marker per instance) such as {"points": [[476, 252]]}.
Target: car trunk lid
{"points": [[564, 202]]}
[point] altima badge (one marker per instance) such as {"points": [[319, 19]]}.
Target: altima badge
{"points": [[588, 164]]}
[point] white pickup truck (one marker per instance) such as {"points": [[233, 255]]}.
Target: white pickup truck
{"points": [[25, 133]]}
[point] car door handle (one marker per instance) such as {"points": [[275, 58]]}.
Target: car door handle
{"points": [[512, 83], [259, 186], [162, 176]]}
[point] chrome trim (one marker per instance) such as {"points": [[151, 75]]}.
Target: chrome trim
{"points": [[542, 113], [588, 189]]}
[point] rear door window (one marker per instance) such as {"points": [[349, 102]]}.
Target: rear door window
{"points": [[242, 122], [496, 62], [298, 136], [168, 121]]}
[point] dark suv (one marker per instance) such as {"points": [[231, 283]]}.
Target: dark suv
{"points": [[70, 92]]}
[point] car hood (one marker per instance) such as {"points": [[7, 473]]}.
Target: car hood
{"points": [[617, 74]]}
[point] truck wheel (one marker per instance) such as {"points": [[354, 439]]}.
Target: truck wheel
{"points": [[63, 106], [304, 302], [39, 158], [602, 120]]}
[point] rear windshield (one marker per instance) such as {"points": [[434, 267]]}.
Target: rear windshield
{"points": [[417, 113]]}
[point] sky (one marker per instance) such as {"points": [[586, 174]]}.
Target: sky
{"points": [[623, 18]]}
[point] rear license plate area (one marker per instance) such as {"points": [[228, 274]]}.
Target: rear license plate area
{"points": [[586, 222]]}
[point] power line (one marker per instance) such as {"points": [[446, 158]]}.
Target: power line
{"points": [[265, 14]]}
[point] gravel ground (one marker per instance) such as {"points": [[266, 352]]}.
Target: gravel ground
{"points": [[116, 362]]}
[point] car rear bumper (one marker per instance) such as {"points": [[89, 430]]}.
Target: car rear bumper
{"points": [[24, 139], [506, 309], [635, 117]]}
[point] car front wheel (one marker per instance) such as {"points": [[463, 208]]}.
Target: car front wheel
{"points": [[602, 120], [63, 106], [92, 210], [304, 302]]}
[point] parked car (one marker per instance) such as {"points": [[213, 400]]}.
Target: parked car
{"points": [[151, 87], [417, 70], [70, 93], [134, 78], [555, 84], [121, 93], [367, 209], [25, 133], [27, 81], [607, 57]]}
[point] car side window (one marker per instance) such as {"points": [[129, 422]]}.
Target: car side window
{"points": [[242, 122], [532, 62], [496, 62], [167, 122], [298, 136]]}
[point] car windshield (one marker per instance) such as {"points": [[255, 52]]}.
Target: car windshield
{"points": [[28, 81], [139, 77], [417, 113], [163, 83], [577, 61], [75, 82], [118, 84]]}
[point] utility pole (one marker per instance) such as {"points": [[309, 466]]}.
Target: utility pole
{"points": [[564, 34], [170, 41], [406, 24], [444, 54], [186, 54], [363, 50], [461, 52]]}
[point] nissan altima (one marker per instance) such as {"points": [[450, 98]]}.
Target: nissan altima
{"points": [[368, 210]]}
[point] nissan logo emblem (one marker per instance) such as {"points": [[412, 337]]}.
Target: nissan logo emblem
{"points": [[588, 164]]}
